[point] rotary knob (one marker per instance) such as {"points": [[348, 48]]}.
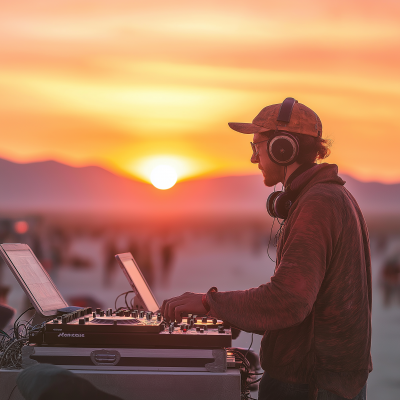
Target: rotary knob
{"points": [[98, 310], [82, 321], [204, 320]]}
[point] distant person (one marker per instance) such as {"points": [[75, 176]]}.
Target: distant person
{"points": [[315, 313], [6, 312], [390, 280]]}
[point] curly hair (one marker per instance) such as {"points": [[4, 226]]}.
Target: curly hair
{"points": [[311, 149]]}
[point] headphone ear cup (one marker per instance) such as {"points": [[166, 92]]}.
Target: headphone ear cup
{"points": [[283, 149], [271, 203], [278, 204]]}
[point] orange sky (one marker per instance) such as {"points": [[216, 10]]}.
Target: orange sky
{"points": [[129, 84]]}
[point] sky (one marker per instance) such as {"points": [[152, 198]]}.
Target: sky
{"points": [[128, 85]]}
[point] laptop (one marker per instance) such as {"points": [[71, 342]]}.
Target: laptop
{"points": [[43, 293]]}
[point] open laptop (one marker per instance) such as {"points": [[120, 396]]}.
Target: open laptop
{"points": [[42, 291]]}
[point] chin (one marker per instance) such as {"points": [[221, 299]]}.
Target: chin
{"points": [[269, 182]]}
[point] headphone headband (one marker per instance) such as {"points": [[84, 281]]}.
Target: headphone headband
{"points": [[285, 112]]}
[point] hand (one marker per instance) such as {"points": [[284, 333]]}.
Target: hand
{"points": [[187, 302]]}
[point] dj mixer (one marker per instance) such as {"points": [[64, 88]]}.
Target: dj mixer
{"points": [[126, 328]]}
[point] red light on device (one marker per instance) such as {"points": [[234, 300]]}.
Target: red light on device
{"points": [[21, 227]]}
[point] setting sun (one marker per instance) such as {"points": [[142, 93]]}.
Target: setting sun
{"points": [[163, 177]]}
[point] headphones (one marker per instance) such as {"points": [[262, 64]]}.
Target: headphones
{"points": [[282, 149]]}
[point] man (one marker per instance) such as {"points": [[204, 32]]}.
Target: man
{"points": [[315, 313]]}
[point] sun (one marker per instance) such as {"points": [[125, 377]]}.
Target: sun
{"points": [[163, 177]]}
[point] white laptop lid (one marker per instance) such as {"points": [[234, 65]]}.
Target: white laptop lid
{"points": [[137, 280]]}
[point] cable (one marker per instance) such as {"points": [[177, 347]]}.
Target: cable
{"points": [[130, 291], [11, 343], [12, 391], [269, 242], [14, 357], [15, 323]]}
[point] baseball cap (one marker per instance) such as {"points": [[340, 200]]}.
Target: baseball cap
{"points": [[288, 116]]}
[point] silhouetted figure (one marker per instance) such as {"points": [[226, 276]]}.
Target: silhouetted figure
{"points": [[167, 257], [142, 255], [6, 312], [111, 264], [390, 280]]}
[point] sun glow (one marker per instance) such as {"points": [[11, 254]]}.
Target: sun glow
{"points": [[163, 177]]}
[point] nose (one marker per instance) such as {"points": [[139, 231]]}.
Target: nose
{"points": [[254, 158]]}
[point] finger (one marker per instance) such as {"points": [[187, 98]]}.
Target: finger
{"points": [[163, 307], [170, 312], [178, 313], [165, 303]]}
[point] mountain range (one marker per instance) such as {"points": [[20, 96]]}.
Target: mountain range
{"points": [[50, 186]]}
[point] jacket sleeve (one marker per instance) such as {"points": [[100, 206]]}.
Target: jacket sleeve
{"points": [[313, 230]]}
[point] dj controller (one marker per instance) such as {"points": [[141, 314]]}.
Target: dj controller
{"points": [[136, 329]]}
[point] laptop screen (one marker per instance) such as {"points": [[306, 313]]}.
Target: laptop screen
{"points": [[36, 280], [137, 281]]}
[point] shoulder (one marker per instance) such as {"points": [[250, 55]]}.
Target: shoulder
{"points": [[322, 201], [323, 193]]}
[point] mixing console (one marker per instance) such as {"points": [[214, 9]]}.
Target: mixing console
{"points": [[127, 328]]}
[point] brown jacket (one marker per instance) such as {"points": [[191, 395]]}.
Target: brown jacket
{"points": [[315, 312]]}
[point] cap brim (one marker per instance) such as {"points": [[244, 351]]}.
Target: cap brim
{"points": [[246, 128]]}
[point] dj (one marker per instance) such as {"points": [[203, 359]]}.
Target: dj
{"points": [[315, 313]]}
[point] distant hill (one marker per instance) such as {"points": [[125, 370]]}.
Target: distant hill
{"points": [[54, 187]]}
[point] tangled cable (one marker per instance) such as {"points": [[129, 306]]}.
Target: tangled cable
{"points": [[247, 373], [126, 302], [11, 343]]}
